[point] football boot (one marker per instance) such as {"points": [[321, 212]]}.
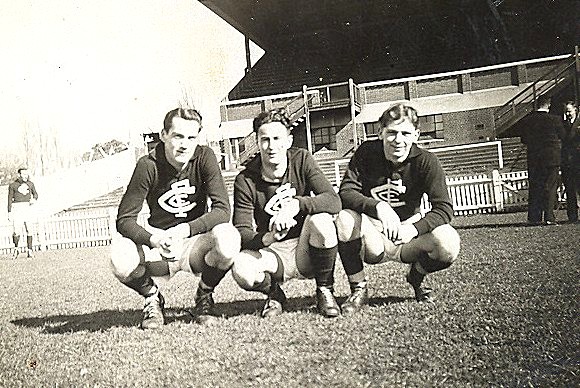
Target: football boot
{"points": [[359, 296], [204, 310], [275, 303], [153, 312], [326, 303]]}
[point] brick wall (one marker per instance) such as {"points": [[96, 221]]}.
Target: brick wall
{"points": [[385, 93], [243, 111], [466, 127], [437, 86], [492, 79]]}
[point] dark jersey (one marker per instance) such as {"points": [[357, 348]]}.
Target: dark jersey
{"points": [[20, 191], [174, 196], [371, 178], [256, 200]]}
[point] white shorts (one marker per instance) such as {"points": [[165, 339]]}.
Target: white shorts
{"points": [[20, 214], [126, 255], [291, 255], [392, 251]]}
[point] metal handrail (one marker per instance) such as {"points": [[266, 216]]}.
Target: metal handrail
{"points": [[537, 88]]}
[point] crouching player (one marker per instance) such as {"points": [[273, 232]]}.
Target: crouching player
{"points": [[176, 179], [284, 209], [381, 195]]}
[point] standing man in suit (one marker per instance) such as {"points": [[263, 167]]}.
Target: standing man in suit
{"points": [[542, 135], [571, 159]]}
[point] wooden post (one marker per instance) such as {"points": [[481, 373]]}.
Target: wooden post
{"points": [[352, 112], [497, 190], [112, 222], [307, 120], [41, 232]]}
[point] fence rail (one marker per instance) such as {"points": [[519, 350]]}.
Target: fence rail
{"points": [[481, 193]]}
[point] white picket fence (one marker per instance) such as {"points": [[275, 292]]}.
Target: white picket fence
{"points": [[482, 193]]}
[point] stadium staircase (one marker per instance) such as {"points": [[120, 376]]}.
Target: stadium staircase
{"points": [[555, 81], [296, 109]]}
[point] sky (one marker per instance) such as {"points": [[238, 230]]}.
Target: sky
{"points": [[92, 71]]}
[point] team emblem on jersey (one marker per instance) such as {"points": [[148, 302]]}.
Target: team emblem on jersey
{"points": [[390, 192], [175, 200], [24, 189], [283, 194]]}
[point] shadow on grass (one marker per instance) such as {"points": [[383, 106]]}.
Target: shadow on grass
{"points": [[107, 319], [508, 225], [96, 321]]}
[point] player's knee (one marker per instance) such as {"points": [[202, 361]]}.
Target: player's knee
{"points": [[227, 240], [244, 271], [447, 243], [127, 273], [347, 221], [322, 231]]}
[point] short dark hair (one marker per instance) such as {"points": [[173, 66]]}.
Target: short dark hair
{"points": [[544, 100], [184, 113], [397, 113], [271, 116], [22, 168]]}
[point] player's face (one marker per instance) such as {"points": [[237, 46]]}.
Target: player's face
{"points": [[398, 139], [570, 112], [273, 141], [180, 141], [24, 175]]}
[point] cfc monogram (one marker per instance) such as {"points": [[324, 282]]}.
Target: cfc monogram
{"points": [[175, 200], [283, 194], [390, 192]]}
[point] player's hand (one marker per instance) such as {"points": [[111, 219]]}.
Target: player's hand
{"points": [[272, 236], [168, 246], [407, 232], [32, 200], [390, 220], [284, 219]]}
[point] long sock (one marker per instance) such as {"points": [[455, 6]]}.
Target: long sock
{"points": [[29, 242], [211, 277], [141, 281], [323, 260], [15, 239], [350, 256], [265, 286], [432, 265]]}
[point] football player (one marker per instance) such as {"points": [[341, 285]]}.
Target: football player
{"points": [[21, 195], [176, 180], [284, 209], [381, 195]]}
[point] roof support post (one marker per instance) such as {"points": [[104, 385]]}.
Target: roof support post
{"points": [[307, 119]]}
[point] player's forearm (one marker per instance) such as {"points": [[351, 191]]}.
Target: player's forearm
{"points": [[251, 239], [440, 214], [205, 223], [129, 228], [354, 200], [327, 202]]}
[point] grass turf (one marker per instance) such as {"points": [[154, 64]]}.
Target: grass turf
{"points": [[506, 315]]}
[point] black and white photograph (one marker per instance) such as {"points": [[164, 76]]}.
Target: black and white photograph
{"points": [[290, 193]]}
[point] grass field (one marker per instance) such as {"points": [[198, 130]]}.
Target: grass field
{"points": [[506, 315]]}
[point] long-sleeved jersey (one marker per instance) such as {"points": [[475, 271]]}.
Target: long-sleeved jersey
{"points": [[371, 178], [174, 196], [20, 191], [256, 201]]}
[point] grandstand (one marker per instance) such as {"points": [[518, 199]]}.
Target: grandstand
{"points": [[467, 66]]}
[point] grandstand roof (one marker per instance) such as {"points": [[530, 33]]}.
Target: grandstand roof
{"points": [[320, 42]]}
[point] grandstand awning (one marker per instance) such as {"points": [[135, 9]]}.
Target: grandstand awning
{"points": [[236, 128]]}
